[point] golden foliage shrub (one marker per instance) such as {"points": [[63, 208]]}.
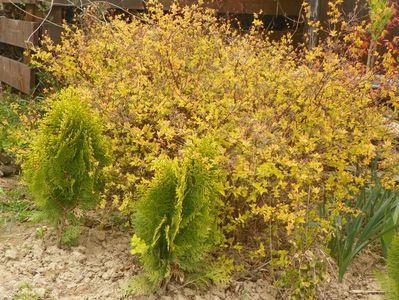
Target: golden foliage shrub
{"points": [[299, 127]]}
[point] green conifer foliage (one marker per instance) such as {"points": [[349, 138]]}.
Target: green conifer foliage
{"points": [[175, 220], [389, 281], [64, 163]]}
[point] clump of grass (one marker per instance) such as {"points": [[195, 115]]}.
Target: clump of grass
{"points": [[377, 219], [70, 236], [15, 205], [26, 292]]}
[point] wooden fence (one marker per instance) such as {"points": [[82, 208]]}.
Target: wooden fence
{"points": [[15, 32]]}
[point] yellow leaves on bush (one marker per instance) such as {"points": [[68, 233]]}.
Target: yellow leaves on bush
{"points": [[299, 128]]}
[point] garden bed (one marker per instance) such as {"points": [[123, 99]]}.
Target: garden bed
{"points": [[31, 265]]}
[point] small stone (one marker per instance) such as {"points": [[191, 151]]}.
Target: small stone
{"points": [[81, 249], [166, 298], [40, 292], [218, 292], [255, 296], [71, 286], [188, 292], [78, 278], [11, 254], [37, 251], [100, 235], [374, 297], [79, 256], [109, 264], [86, 280], [53, 250], [106, 276], [180, 297]]}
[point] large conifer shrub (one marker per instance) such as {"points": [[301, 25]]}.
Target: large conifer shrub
{"points": [[65, 160], [175, 219], [389, 281]]}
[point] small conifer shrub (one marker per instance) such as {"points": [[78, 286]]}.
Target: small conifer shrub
{"points": [[389, 281], [175, 220], [65, 160]]}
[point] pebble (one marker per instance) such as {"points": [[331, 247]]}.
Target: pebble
{"points": [[189, 292], [180, 297], [78, 256], [100, 235], [81, 249], [53, 250], [37, 251], [40, 292], [219, 293], [106, 276], [11, 254]]}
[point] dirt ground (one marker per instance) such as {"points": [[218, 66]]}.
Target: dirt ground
{"points": [[33, 267]]}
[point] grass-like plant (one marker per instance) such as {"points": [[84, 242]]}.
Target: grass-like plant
{"points": [[175, 220], [377, 218], [14, 205], [389, 281], [63, 167]]}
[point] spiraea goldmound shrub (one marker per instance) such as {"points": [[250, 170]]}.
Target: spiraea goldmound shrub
{"points": [[299, 128], [175, 221], [17, 116], [65, 160]]}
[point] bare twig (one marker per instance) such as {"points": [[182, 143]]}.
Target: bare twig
{"points": [[367, 292], [41, 23], [32, 15]]}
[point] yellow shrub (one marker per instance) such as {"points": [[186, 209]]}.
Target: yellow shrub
{"points": [[299, 128]]}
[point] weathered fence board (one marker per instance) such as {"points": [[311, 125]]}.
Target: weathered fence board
{"points": [[16, 74], [19, 1], [268, 7], [16, 32]]}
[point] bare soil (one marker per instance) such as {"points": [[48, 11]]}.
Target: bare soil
{"points": [[33, 267]]}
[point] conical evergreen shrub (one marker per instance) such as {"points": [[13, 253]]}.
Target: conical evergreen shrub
{"points": [[389, 281], [64, 162], [175, 220]]}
